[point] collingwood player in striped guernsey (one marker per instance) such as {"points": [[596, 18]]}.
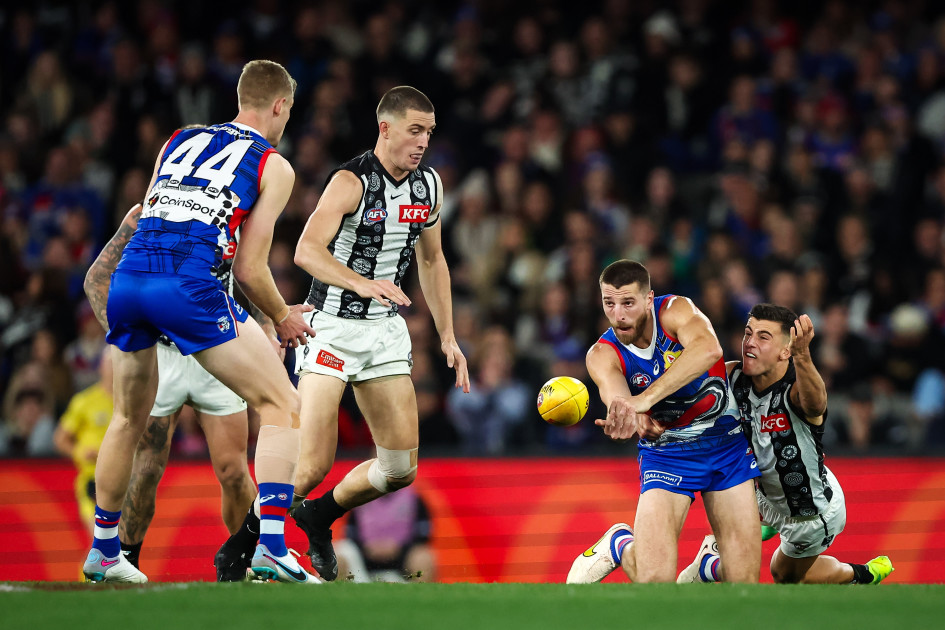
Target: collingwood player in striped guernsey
{"points": [[783, 404], [358, 245]]}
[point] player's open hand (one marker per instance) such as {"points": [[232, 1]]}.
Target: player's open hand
{"points": [[627, 418], [801, 335], [620, 423], [293, 330], [384, 291], [457, 360]]}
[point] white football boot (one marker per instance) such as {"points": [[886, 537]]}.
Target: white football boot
{"points": [[268, 566], [98, 568], [691, 573], [598, 561]]}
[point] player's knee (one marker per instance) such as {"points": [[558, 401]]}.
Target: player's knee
{"points": [[309, 475], [393, 469], [396, 483], [231, 473], [781, 576]]}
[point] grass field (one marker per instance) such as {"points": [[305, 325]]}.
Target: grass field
{"points": [[75, 606]]}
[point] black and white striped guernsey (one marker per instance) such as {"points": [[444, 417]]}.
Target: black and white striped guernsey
{"points": [[789, 450], [378, 239]]}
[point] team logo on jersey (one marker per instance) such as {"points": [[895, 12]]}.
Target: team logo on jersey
{"points": [[329, 360], [414, 214], [777, 422], [223, 324], [640, 380], [669, 357], [419, 190], [230, 250], [375, 215]]}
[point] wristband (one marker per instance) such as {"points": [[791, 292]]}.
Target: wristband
{"points": [[285, 317]]}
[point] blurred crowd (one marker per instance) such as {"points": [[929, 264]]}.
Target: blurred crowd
{"points": [[744, 151]]}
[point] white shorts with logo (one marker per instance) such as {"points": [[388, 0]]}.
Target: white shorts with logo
{"points": [[355, 349], [183, 381], [807, 536]]}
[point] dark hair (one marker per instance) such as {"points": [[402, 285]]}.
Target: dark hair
{"points": [[775, 313], [626, 272], [399, 99]]}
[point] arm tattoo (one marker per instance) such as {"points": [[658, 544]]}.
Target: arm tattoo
{"points": [[98, 278], [261, 318]]}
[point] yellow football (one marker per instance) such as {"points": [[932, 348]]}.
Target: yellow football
{"points": [[563, 401]]}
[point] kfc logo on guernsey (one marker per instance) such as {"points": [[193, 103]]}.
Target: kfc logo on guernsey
{"points": [[777, 422], [329, 360], [414, 214], [230, 250], [375, 215]]}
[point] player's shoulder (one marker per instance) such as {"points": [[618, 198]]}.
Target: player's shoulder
{"points": [[603, 352]]}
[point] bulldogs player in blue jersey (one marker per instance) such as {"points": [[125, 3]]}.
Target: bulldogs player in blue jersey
{"points": [[660, 372], [207, 183]]}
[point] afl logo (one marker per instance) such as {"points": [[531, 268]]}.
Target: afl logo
{"points": [[375, 215], [640, 380]]}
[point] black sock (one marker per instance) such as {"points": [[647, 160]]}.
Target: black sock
{"points": [[326, 510], [131, 552], [247, 535], [861, 574]]}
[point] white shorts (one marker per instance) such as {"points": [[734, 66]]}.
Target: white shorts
{"points": [[183, 381], [808, 536], [355, 349]]}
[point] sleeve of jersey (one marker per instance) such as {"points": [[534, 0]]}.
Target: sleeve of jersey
{"points": [[437, 201]]}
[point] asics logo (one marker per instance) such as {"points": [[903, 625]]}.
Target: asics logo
{"points": [[108, 563], [296, 574], [268, 497]]}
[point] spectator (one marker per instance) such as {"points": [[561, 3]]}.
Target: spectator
{"points": [[28, 430], [388, 540]]}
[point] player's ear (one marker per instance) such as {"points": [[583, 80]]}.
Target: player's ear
{"points": [[278, 105], [384, 128]]}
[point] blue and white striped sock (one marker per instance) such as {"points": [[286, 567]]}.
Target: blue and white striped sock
{"points": [[618, 541], [274, 502], [105, 535], [709, 568]]}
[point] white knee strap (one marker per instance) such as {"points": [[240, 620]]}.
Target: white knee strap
{"points": [[391, 465]]}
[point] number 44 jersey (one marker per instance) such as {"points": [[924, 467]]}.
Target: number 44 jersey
{"points": [[207, 183]]}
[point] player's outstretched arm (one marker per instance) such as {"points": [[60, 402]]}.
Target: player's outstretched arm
{"points": [[99, 276], [622, 421], [701, 349], [251, 265], [342, 197], [809, 393], [434, 277]]}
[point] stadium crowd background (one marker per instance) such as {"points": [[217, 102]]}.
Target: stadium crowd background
{"points": [[744, 151]]}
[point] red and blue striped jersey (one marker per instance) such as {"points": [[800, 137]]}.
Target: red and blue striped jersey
{"points": [[207, 182], [696, 415]]}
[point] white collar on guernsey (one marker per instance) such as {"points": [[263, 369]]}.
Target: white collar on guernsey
{"points": [[644, 353], [246, 127]]}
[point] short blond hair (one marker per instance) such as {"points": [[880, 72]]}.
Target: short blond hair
{"points": [[263, 81]]}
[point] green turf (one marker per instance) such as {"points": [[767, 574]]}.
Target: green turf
{"points": [[460, 606]]}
